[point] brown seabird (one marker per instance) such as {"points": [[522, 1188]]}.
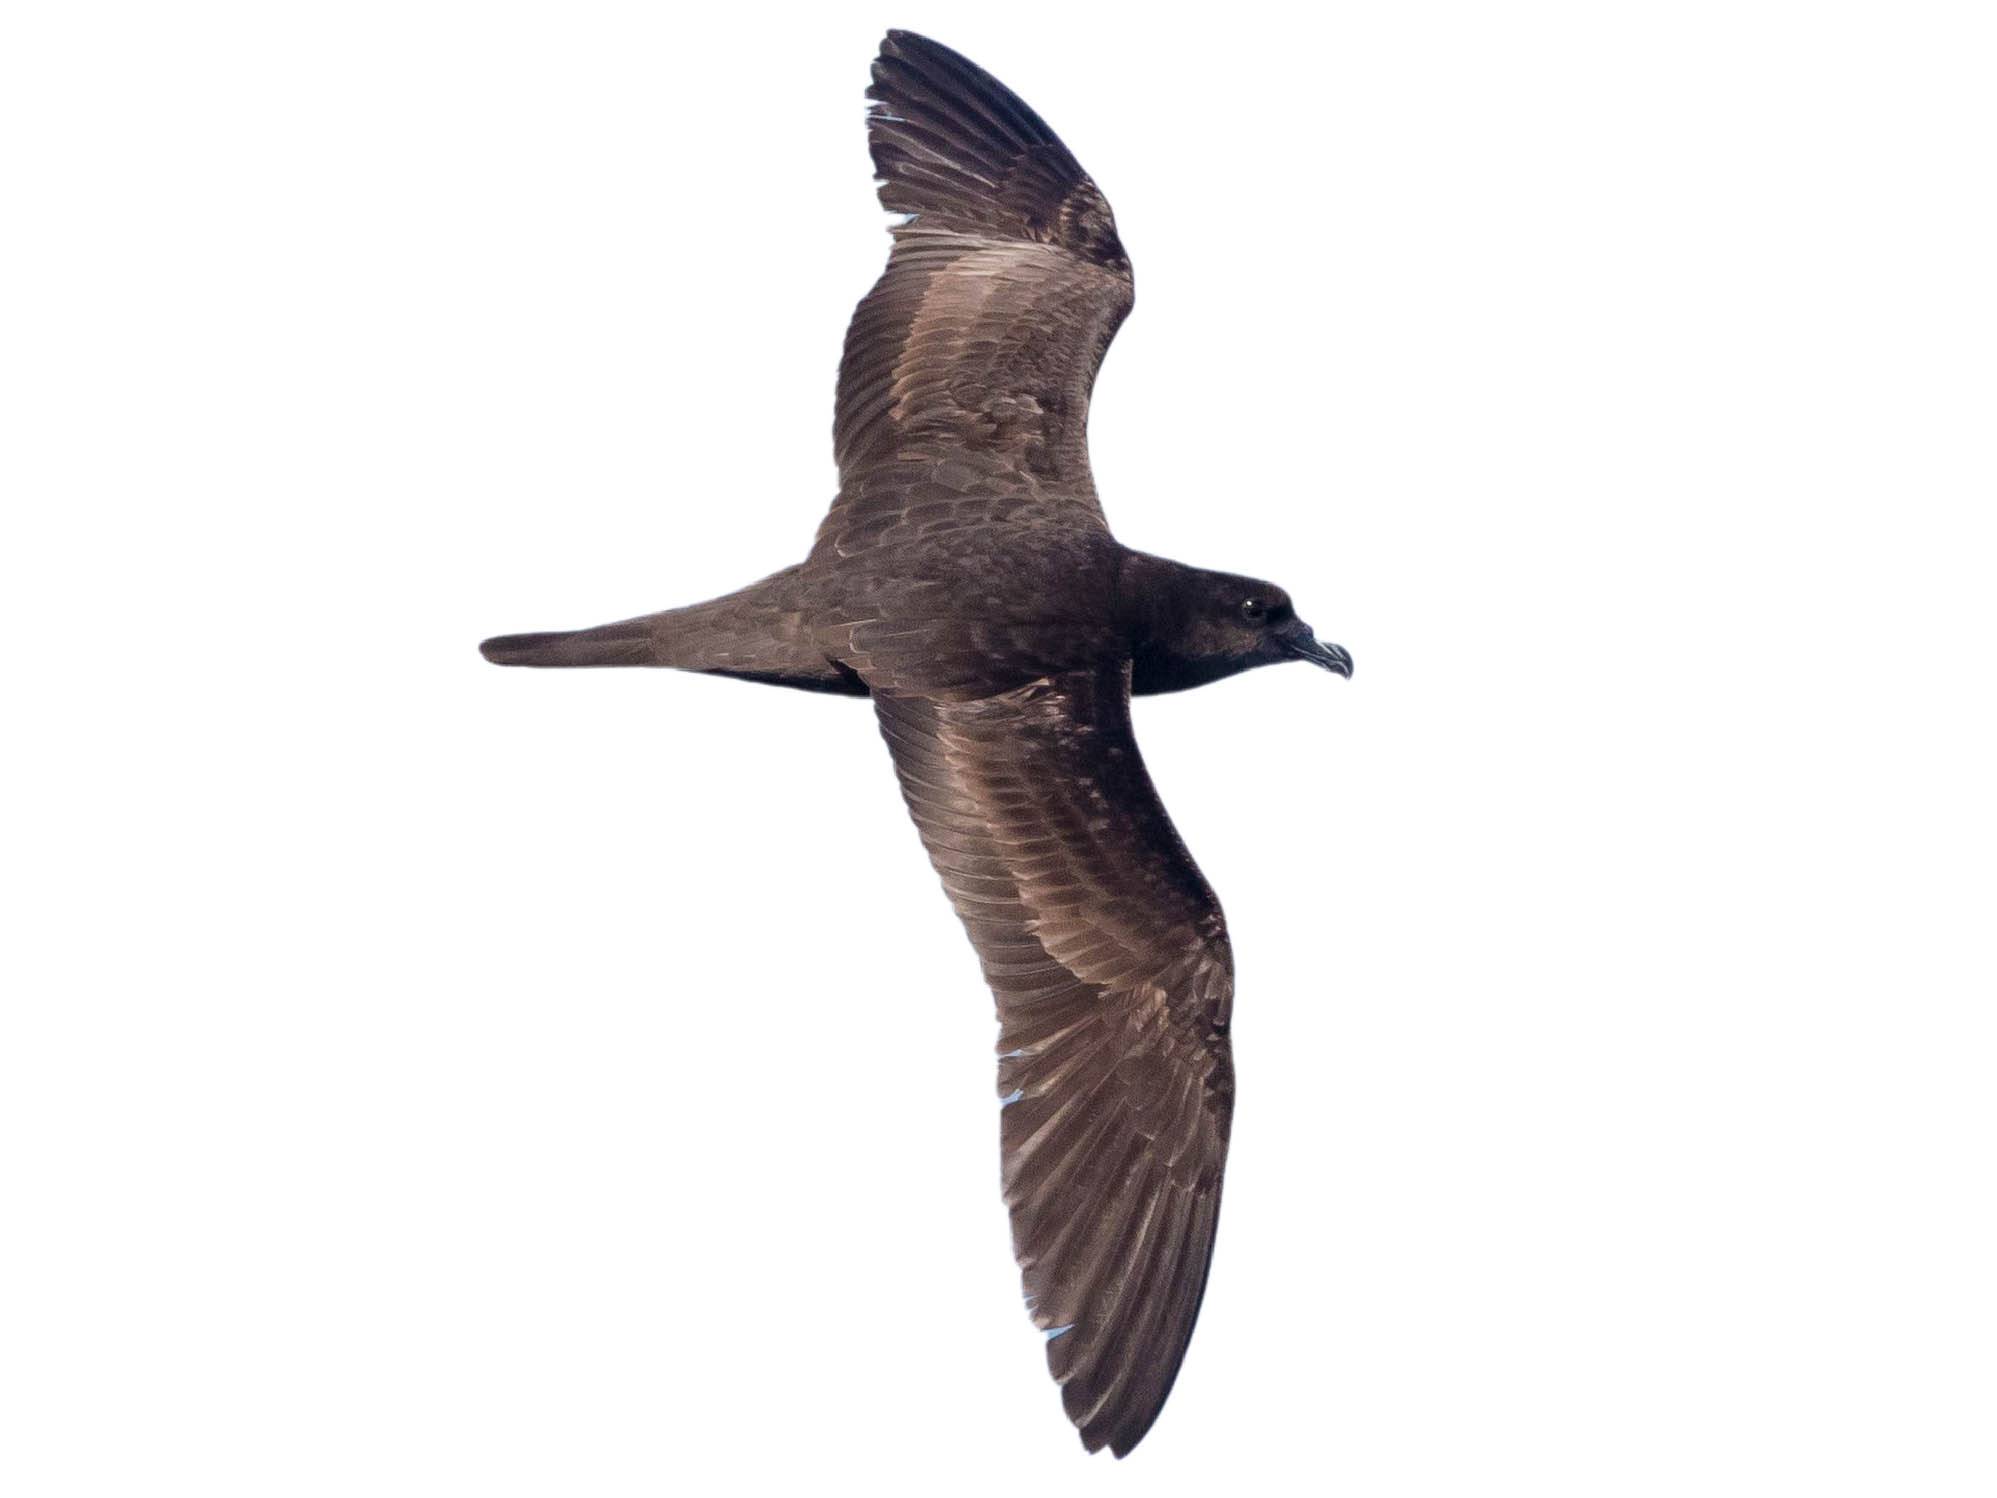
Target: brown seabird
{"points": [[967, 582]]}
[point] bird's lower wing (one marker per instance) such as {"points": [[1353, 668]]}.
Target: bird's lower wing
{"points": [[1108, 956]]}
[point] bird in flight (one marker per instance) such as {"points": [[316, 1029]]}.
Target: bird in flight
{"points": [[967, 581]]}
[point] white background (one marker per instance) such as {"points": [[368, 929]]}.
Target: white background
{"points": [[420, 1078]]}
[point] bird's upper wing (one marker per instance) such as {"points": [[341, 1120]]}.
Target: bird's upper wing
{"points": [[1109, 958], [964, 389]]}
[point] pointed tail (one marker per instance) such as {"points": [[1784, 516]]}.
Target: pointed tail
{"points": [[761, 633], [628, 643]]}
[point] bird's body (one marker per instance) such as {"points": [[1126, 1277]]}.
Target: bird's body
{"points": [[967, 581]]}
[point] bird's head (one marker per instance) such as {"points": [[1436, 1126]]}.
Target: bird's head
{"points": [[1200, 626]]}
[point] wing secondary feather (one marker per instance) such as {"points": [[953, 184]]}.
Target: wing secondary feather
{"points": [[1108, 956], [977, 350]]}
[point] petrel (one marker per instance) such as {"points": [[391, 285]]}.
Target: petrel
{"points": [[967, 581]]}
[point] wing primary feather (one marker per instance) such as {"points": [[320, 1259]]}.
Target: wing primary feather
{"points": [[977, 349], [1108, 959]]}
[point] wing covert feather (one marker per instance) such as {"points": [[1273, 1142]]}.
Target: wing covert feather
{"points": [[982, 338], [1108, 956]]}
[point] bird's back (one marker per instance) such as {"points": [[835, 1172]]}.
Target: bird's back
{"points": [[971, 607]]}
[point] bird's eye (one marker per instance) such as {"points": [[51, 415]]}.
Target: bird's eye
{"points": [[1254, 610]]}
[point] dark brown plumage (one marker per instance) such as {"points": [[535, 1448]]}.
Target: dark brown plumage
{"points": [[967, 581]]}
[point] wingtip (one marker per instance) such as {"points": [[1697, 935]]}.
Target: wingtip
{"points": [[1118, 1445], [897, 44], [1113, 1427], [1118, 1442]]}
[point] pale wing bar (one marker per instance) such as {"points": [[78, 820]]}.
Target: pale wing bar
{"points": [[983, 337], [1109, 959]]}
